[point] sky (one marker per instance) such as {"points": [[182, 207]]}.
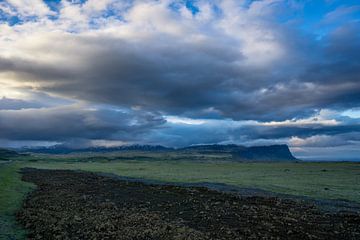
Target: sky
{"points": [[180, 72]]}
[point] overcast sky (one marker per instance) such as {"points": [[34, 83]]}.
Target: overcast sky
{"points": [[177, 72]]}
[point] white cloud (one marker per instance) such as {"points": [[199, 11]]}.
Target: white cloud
{"points": [[324, 117], [317, 141], [30, 7], [95, 6], [182, 120], [352, 113]]}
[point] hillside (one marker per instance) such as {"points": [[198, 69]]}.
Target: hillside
{"points": [[5, 154]]}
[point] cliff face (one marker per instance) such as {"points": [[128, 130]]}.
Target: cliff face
{"points": [[264, 153]]}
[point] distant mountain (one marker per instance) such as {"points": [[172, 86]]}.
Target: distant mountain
{"points": [[213, 148], [264, 153], [239, 153], [6, 153], [61, 149]]}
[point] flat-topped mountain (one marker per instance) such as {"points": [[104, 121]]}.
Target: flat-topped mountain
{"points": [[264, 153]]}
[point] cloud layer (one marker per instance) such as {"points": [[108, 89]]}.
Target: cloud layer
{"points": [[262, 68]]}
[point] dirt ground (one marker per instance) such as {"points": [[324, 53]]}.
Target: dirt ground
{"points": [[81, 205]]}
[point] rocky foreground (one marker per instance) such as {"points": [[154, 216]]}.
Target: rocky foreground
{"points": [[80, 205]]}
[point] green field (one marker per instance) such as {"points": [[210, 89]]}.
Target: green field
{"points": [[12, 192], [316, 180]]}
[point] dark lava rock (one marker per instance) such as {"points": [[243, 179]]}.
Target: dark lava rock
{"points": [[81, 205]]}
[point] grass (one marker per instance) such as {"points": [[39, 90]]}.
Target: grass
{"points": [[317, 180], [12, 192]]}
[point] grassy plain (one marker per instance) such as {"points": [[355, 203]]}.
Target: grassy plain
{"points": [[317, 180], [12, 192], [327, 180]]}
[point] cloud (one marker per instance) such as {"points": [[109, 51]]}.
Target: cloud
{"points": [[229, 65], [28, 7], [341, 13], [75, 122], [317, 141], [16, 104], [255, 67], [325, 128]]}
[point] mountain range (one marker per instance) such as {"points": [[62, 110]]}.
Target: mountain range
{"points": [[238, 152]]}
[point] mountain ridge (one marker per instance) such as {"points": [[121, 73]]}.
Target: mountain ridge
{"points": [[7, 153], [238, 152]]}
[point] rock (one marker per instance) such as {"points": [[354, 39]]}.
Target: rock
{"points": [[79, 205]]}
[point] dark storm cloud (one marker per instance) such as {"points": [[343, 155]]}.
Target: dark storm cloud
{"points": [[250, 133], [320, 136], [198, 80], [236, 63], [74, 122], [268, 132]]}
